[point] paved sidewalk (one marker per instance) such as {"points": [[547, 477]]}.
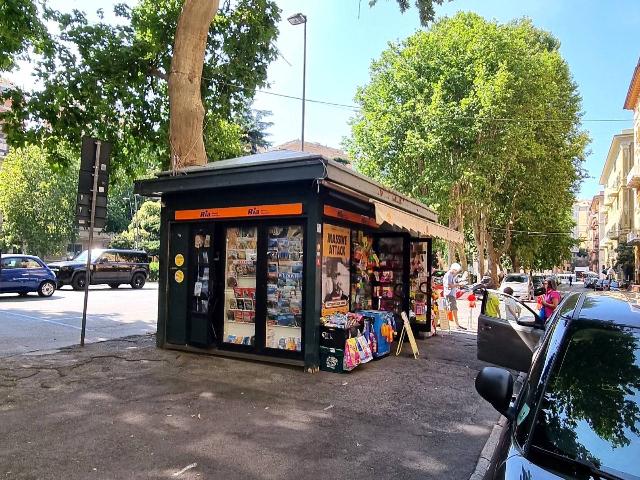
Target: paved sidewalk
{"points": [[123, 409]]}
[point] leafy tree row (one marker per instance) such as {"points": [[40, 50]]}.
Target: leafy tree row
{"points": [[481, 120]]}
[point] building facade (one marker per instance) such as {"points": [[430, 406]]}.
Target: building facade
{"points": [[618, 197], [580, 252], [597, 223], [632, 102]]}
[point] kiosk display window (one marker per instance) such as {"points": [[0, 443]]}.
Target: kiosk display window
{"points": [[240, 286], [388, 286], [363, 262], [201, 293], [284, 288], [419, 281]]}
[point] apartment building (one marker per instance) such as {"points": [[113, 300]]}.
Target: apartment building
{"points": [[597, 224], [618, 197], [580, 252], [632, 102]]}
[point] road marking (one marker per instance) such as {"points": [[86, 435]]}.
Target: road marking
{"points": [[46, 321]]}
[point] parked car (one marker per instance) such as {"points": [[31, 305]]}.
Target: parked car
{"points": [[577, 414], [26, 273], [590, 281], [602, 285], [111, 267], [538, 285], [615, 286], [520, 283]]}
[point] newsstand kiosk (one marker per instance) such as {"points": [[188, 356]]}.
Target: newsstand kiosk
{"points": [[258, 252]]}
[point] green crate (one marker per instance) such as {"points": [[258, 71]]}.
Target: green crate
{"points": [[332, 360]]}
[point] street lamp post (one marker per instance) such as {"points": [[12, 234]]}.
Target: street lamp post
{"points": [[299, 19], [133, 217]]}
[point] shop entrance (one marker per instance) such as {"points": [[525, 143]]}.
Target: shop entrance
{"points": [[241, 285]]}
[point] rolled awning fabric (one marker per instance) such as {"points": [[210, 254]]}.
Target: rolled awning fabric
{"points": [[407, 221]]}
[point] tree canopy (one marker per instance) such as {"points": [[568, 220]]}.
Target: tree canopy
{"points": [[481, 120], [21, 28], [143, 231], [38, 200], [425, 8], [109, 81]]}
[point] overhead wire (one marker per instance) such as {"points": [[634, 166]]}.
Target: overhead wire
{"points": [[356, 108]]}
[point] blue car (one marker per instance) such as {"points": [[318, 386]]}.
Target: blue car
{"points": [[25, 273]]}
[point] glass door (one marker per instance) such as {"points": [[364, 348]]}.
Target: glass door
{"points": [[419, 281], [284, 287], [201, 281], [240, 285], [389, 275]]}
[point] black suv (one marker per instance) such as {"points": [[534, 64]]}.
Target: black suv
{"points": [[111, 267]]}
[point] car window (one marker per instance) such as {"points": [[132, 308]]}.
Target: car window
{"points": [[13, 262], [500, 305], [31, 263], [516, 278], [567, 305], [527, 396], [82, 257], [590, 410], [109, 257], [125, 257]]}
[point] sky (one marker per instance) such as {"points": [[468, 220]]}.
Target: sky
{"points": [[599, 42]]}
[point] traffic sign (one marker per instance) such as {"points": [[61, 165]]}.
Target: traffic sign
{"points": [[94, 173]]}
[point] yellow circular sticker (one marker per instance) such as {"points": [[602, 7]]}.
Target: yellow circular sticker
{"points": [[179, 276], [179, 260]]}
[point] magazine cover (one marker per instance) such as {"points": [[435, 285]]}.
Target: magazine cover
{"points": [[336, 243]]}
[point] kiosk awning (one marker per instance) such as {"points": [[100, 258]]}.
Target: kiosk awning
{"points": [[401, 219]]}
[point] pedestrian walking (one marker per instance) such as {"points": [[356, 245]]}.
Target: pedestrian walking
{"points": [[450, 289], [570, 281]]}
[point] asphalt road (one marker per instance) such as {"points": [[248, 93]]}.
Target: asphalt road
{"points": [[37, 325]]}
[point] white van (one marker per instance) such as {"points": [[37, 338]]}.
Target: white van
{"points": [[521, 285], [564, 278]]}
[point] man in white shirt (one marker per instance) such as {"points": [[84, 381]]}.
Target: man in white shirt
{"points": [[450, 287]]}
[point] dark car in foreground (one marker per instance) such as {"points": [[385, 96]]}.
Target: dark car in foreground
{"points": [[112, 267], [23, 274], [577, 414]]}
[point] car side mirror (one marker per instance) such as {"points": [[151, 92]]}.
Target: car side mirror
{"points": [[495, 385]]}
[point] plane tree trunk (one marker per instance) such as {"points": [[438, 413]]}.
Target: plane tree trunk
{"points": [[186, 112]]}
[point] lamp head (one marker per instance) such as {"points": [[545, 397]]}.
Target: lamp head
{"points": [[297, 19]]}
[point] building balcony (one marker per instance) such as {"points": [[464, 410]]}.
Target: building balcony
{"points": [[633, 237], [633, 178], [608, 196]]}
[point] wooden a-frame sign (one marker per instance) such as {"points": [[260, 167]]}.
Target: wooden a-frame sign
{"points": [[407, 332]]}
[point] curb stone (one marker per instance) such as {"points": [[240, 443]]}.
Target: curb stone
{"points": [[492, 442]]}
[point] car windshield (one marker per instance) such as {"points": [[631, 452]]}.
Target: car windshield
{"points": [[95, 253], [590, 411], [516, 279]]}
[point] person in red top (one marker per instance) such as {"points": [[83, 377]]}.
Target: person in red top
{"points": [[551, 298]]}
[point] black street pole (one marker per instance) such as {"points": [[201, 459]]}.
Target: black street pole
{"points": [[304, 79], [96, 169], [135, 218]]}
